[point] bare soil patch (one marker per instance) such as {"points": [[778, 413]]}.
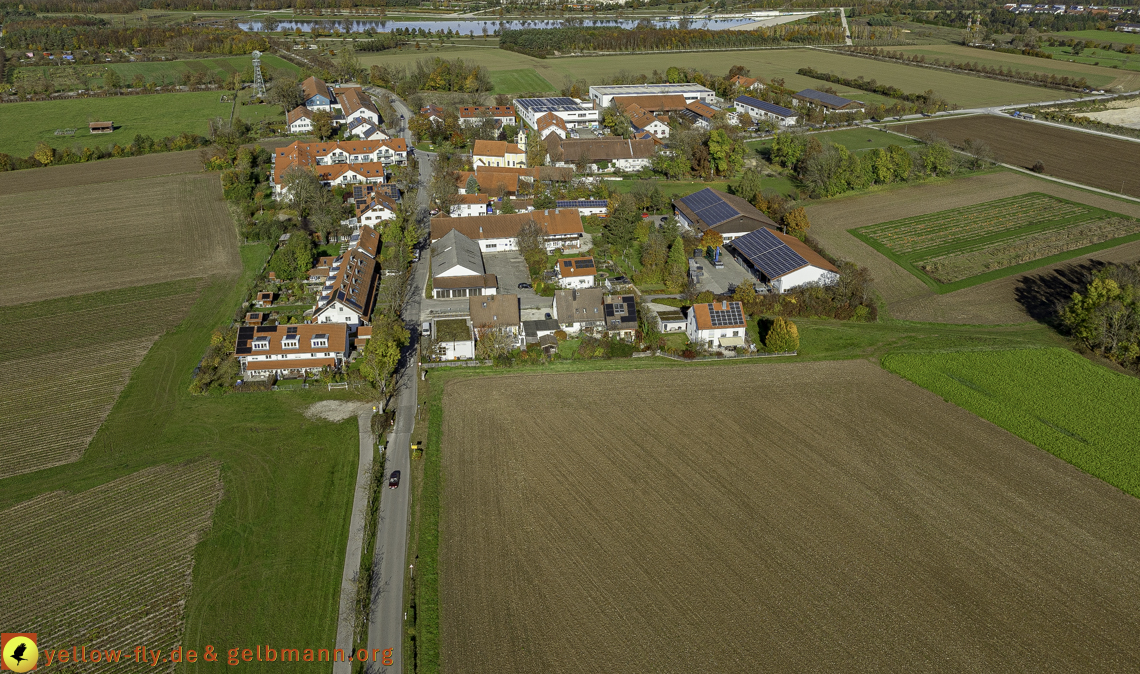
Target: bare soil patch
{"points": [[334, 410], [1085, 158], [102, 171], [110, 567], [862, 523], [907, 297]]}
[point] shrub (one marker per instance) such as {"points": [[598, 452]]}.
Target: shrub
{"points": [[782, 337], [1039, 167]]}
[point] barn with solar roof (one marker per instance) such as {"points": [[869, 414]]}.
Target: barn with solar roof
{"points": [[725, 213], [784, 262]]}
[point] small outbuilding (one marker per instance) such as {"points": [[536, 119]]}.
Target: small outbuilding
{"points": [[101, 127]]}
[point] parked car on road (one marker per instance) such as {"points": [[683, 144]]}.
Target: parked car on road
{"points": [[394, 480]]}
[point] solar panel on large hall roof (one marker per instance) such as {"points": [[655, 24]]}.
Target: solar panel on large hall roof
{"points": [[709, 207], [558, 103], [581, 203], [768, 253]]}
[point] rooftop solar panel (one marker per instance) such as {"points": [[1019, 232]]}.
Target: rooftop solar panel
{"points": [[585, 264], [768, 253]]}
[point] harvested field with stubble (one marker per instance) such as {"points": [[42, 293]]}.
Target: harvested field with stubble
{"points": [[130, 228], [110, 567], [1085, 158], [992, 302], [860, 524]]}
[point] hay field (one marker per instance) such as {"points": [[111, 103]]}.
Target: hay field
{"points": [[907, 297], [1085, 158], [130, 229], [859, 524], [109, 567], [964, 90]]}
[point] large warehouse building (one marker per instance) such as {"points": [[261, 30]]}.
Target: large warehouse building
{"points": [[573, 112], [782, 261], [725, 213], [603, 95]]}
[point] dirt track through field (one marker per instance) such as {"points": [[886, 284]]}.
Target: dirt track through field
{"points": [[908, 298], [774, 517]]}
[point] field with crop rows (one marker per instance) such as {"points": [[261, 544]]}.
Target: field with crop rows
{"points": [[1082, 412], [1088, 159], [132, 231], [964, 90], [92, 342], [1097, 76], [965, 246], [109, 567], [703, 528]]}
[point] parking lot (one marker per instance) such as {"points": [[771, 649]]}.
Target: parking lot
{"points": [[717, 280]]}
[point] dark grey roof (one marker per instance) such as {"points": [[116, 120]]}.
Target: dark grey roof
{"points": [[709, 207], [830, 100], [766, 106], [455, 250], [532, 328]]}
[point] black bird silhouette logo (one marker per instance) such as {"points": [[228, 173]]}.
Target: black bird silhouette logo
{"points": [[18, 654]]}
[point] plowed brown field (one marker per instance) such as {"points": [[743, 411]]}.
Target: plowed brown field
{"points": [[907, 297], [774, 517], [1085, 158]]}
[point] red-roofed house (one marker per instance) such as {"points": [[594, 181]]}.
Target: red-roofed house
{"points": [[576, 272], [717, 324], [300, 120], [497, 153], [290, 350], [470, 115]]}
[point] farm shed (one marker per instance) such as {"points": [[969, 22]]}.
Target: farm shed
{"points": [[758, 109], [725, 213], [456, 255], [829, 102], [783, 261], [101, 127]]}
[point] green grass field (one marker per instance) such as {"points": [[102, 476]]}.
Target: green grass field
{"points": [[1072, 408], [1097, 76], [1099, 36], [951, 250], [1097, 57], [519, 81], [963, 90], [170, 72], [269, 569], [855, 140], [155, 115]]}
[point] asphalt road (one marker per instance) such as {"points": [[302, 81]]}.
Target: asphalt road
{"points": [[386, 624]]}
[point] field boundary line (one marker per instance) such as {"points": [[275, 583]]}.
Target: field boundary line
{"points": [[1077, 128]]}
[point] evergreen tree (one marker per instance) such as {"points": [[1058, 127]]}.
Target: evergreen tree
{"points": [[677, 268], [783, 337]]}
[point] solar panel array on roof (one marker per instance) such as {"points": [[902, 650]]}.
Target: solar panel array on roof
{"points": [[765, 106], [554, 104], [825, 98], [582, 203], [722, 317], [768, 253], [709, 207], [585, 264]]}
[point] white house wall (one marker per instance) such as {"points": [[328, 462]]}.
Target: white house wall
{"points": [[799, 277]]}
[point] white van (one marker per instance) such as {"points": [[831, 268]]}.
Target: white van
{"points": [[425, 329]]}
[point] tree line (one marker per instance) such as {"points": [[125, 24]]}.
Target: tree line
{"points": [[830, 170], [68, 33], [46, 155], [128, 6], [545, 41], [432, 74], [995, 72], [927, 101]]}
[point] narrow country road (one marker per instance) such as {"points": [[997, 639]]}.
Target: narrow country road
{"points": [[344, 627], [389, 566]]}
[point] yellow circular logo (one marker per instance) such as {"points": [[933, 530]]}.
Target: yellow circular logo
{"points": [[20, 654]]}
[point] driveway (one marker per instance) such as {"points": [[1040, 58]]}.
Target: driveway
{"points": [[718, 280], [510, 269]]}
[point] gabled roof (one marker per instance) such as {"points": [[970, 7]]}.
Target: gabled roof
{"points": [[772, 108], [353, 99], [505, 226], [476, 111], [494, 148], [652, 102], [455, 250], [746, 82], [494, 310], [336, 334], [621, 312], [777, 254], [299, 112], [825, 99], [644, 120], [577, 306], [548, 120], [432, 110], [489, 182], [353, 283], [726, 213], [701, 109], [599, 149], [315, 86], [719, 315], [368, 240], [576, 266]]}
